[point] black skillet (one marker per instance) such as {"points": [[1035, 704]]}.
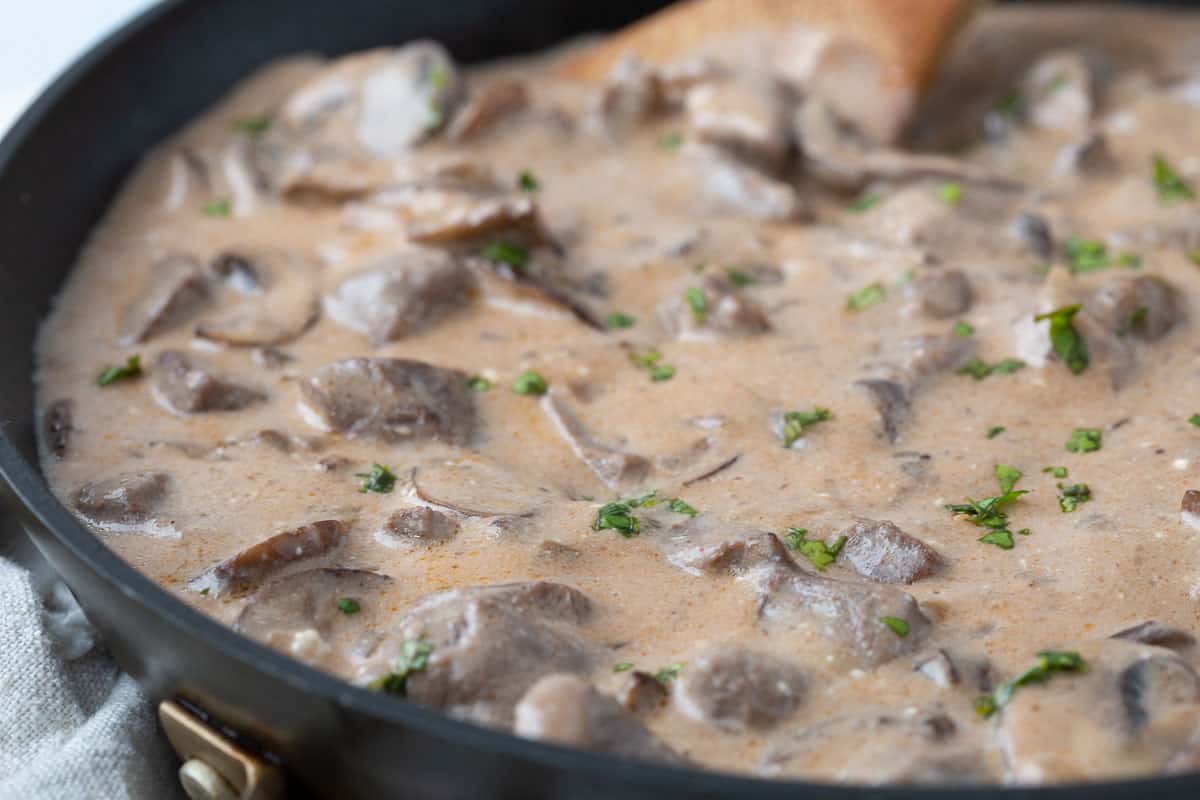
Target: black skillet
{"points": [[59, 168]]}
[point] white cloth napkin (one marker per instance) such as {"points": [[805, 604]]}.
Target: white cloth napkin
{"points": [[72, 725]]}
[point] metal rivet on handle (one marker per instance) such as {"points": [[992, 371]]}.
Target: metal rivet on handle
{"points": [[202, 782]]}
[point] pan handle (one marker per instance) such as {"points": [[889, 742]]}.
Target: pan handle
{"points": [[215, 768]]}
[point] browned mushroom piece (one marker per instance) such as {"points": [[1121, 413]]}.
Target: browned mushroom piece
{"points": [[747, 120], [251, 567], [400, 294], [736, 186], [566, 709], [131, 498], [1157, 634], [274, 299], [327, 617], [487, 107], [1059, 91], [714, 310], [942, 293], [185, 385], [614, 467], [642, 694], [733, 688], [420, 525], [57, 428], [174, 292], [390, 399], [880, 551], [472, 485]]}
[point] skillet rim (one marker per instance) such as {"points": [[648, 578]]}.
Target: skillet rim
{"points": [[40, 509]]}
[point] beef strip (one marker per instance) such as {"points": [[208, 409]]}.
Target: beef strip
{"points": [[733, 688], [391, 399], [880, 551], [568, 710]]}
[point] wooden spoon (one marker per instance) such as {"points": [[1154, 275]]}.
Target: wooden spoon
{"points": [[884, 52]]}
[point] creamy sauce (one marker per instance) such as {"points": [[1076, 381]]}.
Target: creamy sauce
{"points": [[635, 210]]}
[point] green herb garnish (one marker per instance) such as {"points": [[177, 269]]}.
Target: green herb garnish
{"points": [[514, 255], [738, 278], [671, 141], [662, 372], [796, 423], [478, 383], [132, 368], [820, 553], [1001, 538], [348, 605], [217, 208], [1170, 184], [1007, 477], [1069, 497], [623, 666], [979, 369], [618, 320], [1049, 662], [698, 302], [1195, 420], [864, 298], [1084, 440], [414, 656], [668, 673], [951, 193], [896, 625], [530, 382], [680, 506], [865, 203], [618, 515], [528, 182], [650, 361], [380, 480], [1087, 255], [1058, 472], [995, 431], [1067, 342], [253, 125], [963, 329]]}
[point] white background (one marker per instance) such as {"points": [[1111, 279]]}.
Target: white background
{"points": [[38, 38]]}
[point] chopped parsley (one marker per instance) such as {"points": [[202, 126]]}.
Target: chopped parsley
{"points": [[617, 516], [1049, 662], [738, 278], [348, 605], [1195, 420], [1058, 472], [864, 298], [671, 141], [478, 383], [797, 423], [252, 125], [1194, 257], [1170, 184], [1129, 260], [623, 666], [414, 656], [530, 382], [514, 255], [1136, 321], [618, 320], [1087, 255], [1084, 440], [680, 506], [820, 553], [896, 625], [698, 302], [668, 673], [1067, 342], [995, 431], [1007, 477], [132, 368], [1001, 538], [651, 362], [439, 79], [963, 329], [979, 369], [951, 193], [865, 203], [380, 480], [528, 182], [1069, 497], [217, 208]]}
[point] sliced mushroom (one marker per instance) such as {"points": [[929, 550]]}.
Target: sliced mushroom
{"points": [[57, 428], [420, 525], [614, 467], [400, 294], [715, 310], [539, 283], [487, 107], [276, 299], [746, 190], [1033, 232], [390, 399], [1090, 156], [184, 385], [1144, 307], [325, 617], [633, 92], [131, 498], [473, 486], [568, 710], [891, 402], [747, 119], [1058, 91], [1157, 634], [942, 293], [173, 293], [249, 568], [641, 693]]}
